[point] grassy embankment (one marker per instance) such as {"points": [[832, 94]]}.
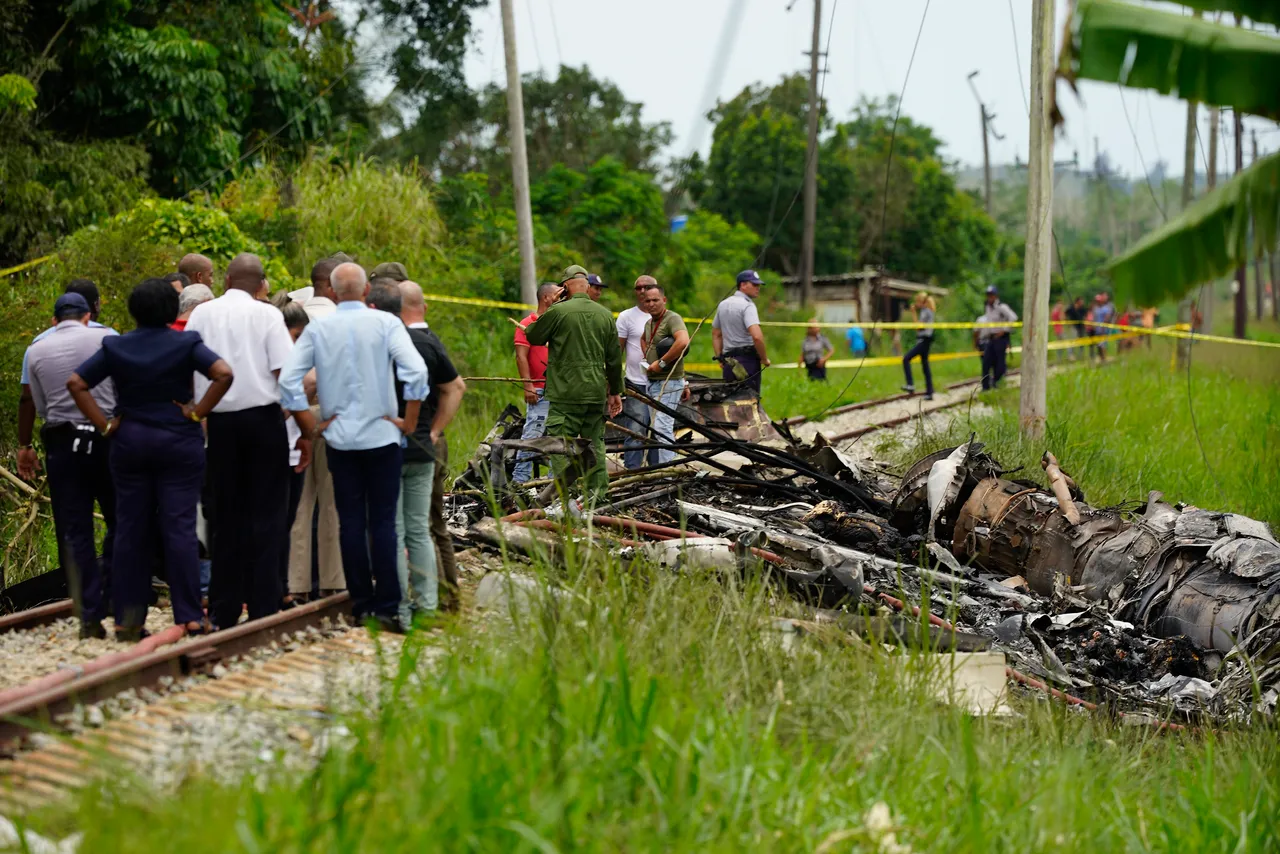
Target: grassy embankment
{"points": [[651, 711], [647, 711]]}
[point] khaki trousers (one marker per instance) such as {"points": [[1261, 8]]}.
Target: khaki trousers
{"points": [[317, 485]]}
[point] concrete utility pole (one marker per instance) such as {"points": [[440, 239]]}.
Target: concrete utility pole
{"points": [[1035, 302], [1242, 284], [1211, 181], [1257, 256], [519, 161], [986, 146], [1183, 349], [811, 166]]}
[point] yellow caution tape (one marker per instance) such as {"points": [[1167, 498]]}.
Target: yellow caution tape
{"points": [[482, 303], [23, 266]]}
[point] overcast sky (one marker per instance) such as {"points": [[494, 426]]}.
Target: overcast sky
{"points": [[661, 52]]}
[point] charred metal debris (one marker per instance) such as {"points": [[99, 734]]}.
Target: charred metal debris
{"points": [[1162, 613]]}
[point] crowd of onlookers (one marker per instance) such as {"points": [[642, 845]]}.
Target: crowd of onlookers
{"points": [[258, 420]]}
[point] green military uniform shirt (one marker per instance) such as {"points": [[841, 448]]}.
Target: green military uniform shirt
{"points": [[583, 354]]}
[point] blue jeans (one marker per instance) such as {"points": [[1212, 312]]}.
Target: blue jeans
{"points": [[416, 568], [635, 417], [668, 393], [535, 425], [366, 490]]}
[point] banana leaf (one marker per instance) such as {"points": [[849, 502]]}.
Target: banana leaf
{"points": [[1174, 54], [1205, 241], [1260, 11]]}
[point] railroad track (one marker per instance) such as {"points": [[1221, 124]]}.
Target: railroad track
{"points": [[284, 662]]}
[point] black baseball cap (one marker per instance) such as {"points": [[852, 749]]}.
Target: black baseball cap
{"points": [[750, 276], [70, 305]]}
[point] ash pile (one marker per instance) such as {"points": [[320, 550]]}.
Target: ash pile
{"points": [[1153, 611]]}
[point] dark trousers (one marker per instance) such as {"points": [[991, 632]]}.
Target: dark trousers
{"points": [[816, 371], [749, 359], [157, 474], [922, 350], [249, 478], [446, 564], [80, 474], [994, 350], [366, 487], [296, 479]]}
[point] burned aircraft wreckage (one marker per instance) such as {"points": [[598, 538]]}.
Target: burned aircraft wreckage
{"points": [[1159, 611]]}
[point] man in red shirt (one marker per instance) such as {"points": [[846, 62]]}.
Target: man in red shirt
{"points": [[532, 363]]}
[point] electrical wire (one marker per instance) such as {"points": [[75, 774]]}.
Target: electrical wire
{"points": [[555, 31], [884, 209]]}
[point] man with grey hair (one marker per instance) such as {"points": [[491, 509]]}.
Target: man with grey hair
{"points": [[353, 351], [190, 297]]}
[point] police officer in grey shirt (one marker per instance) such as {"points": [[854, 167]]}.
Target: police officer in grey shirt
{"points": [[75, 456], [736, 336]]}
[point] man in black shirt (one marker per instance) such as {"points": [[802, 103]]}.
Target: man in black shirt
{"points": [[1076, 312], [422, 472]]}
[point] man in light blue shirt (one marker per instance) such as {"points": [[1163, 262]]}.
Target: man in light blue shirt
{"points": [[353, 350]]}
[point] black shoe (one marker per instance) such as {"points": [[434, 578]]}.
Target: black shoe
{"points": [[390, 625], [929, 396], [909, 389], [131, 634], [92, 630]]}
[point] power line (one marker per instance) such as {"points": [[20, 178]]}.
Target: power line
{"points": [[555, 31], [884, 210], [1146, 175]]}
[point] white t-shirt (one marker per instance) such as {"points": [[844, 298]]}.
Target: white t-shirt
{"points": [[293, 433], [631, 328], [252, 338]]}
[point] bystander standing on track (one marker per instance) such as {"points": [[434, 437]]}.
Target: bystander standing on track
{"points": [[157, 452], [995, 339], [1076, 315], [248, 445], [925, 312], [295, 320], [358, 353], [75, 456]]}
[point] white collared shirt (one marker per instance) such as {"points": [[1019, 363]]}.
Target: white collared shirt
{"points": [[251, 337], [318, 307]]}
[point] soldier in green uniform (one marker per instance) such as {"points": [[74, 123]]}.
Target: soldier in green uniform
{"points": [[584, 375]]}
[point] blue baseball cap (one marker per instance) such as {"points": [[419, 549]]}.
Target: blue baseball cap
{"points": [[70, 305], [750, 276], [595, 281]]}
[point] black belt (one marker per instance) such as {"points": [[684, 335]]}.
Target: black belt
{"points": [[740, 351]]}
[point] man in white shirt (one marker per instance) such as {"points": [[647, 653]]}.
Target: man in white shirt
{"points": [[317, 483], [248, 451], [635, 412]]}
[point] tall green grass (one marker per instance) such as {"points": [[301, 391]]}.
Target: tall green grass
{"points": [[1127, 428], [645, 711]]}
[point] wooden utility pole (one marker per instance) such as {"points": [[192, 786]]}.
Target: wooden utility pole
{"points": [[1257, 255], [1035, 302], [1242, 285], [811, 165], [519, 161]]}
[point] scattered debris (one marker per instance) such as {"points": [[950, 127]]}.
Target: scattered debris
{"points": [[1171, 613]]}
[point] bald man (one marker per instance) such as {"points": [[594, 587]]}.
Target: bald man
{"points": [[197, 268], [428, 571], [248, 454], [635, 414], [359, 355]]}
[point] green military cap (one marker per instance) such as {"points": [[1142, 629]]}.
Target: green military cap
{"points": [[573, 272], [342, 258], [390, 270]]}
